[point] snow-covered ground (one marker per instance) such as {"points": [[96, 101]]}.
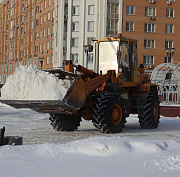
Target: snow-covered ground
{"points": [[134, 153]]}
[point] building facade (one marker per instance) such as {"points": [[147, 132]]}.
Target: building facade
{"points": [[156, 25], [80, 21], [55, 30], [26, 34]]}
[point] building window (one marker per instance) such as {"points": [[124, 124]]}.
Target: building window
{"points": [[12, 24], [75, 58], [11, 34], [29, 62], [90, 26], [47, 60], [16, 65], [49, 15], [75, 26], [150, 11], [112, 18], [149, 43], [11, 45], [44, 32], [130, 10], [169, 12], [129, 26], [169, 29], [20, 63], [10, 66], [37, 23], [53, 13], [49, 2], [48, 30], [47, 45], [44, 17], [21, 42], [75, 42], [41, 6], [37, 36], [168, 44], [37, 9], [11, 55], [21, 53], [44, 46], [168, 59], [90, 39], [91, 10], [149, 28], [36, 49], [44, 3], [41, 19], [40, 34], [22, 30], [148, 59], [36, 61], [12, 11], [40, 48], [76, 10]]}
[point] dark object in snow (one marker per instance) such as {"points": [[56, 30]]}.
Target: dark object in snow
{"points": [[13, 140], [2, 136]]}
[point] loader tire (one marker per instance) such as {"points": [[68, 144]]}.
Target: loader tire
{"points": [[150, 119], [109, 113], [63, 122]]}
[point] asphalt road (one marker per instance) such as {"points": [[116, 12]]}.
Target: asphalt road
{"points": [[35, 128]]}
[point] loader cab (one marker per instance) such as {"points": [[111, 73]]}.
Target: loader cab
{"points": [[117, 54]]}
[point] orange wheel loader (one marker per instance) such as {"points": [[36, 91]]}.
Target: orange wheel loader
{"points": [[115, 89]]}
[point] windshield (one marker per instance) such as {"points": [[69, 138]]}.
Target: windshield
{"points": [[108, 56]]}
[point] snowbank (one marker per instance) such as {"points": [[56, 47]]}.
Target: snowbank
{"points": [[29, 83], [103, 156]]}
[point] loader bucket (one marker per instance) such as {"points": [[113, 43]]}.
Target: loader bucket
{"points": [[76, 95], [73, 101]]}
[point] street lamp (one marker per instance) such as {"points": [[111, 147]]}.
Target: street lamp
{"points": [[170, 53], [87, 49], [41, 61]]}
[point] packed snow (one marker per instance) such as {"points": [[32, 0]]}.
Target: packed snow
{"points": [[30, 83], [135, 152]]}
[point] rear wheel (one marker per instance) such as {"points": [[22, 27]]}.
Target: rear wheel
{"points": [[109, 113], [151, 116], [63, 122]]}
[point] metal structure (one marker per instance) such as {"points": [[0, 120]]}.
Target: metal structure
{"points": [[167, 77]]}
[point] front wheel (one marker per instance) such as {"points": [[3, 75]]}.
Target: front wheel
{"points": [[63, 122], [109, 113], [151, 116]]}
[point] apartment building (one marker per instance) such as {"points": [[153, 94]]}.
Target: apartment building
{"points": [[80, 21], [26, 34], [155, 23]]}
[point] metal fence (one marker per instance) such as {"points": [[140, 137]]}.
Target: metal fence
{"points": [[167, 77]]}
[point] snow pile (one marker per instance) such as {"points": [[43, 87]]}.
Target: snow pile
{"points": [[95, 157], [30, 83], [112, 146]]}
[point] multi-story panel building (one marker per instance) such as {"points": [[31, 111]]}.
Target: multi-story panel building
{"points": [[80, 21], [155, 23]]}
